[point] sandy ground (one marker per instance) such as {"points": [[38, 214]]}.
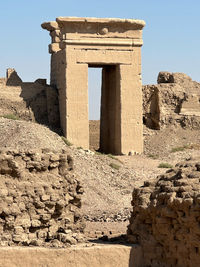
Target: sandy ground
{"points": [[108, 192]]}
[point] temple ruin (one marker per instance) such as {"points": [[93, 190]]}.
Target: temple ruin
{"points": [[114, 45]]}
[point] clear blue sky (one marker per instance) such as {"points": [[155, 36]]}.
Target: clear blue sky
{"points": [[171, 36]]}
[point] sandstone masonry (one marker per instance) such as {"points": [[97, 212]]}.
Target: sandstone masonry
{"points": [[114, 45]]}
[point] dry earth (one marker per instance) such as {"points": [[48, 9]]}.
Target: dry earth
{"points": [[108, 180], [17, 134], [169, 145]]}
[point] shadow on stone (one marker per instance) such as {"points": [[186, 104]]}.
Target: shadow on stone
{"points": [[12, 78]]}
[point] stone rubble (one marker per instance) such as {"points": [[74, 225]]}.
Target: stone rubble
{"points": [[121, 216]]}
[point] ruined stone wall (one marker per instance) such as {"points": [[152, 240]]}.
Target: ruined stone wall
{"points": [[12, 78], [165, 219], [173, 101], [34, 101], [40, 199]]}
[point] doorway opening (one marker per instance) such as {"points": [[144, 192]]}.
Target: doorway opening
{"points": [[105, 109], [94, 92]]}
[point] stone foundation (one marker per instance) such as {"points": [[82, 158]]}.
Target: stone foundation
{"points": [[40, 199], [166, 217]]}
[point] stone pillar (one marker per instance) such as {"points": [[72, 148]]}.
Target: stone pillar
{"points": [[71, 80], [131, 111], [121, 125], [77, 126]]}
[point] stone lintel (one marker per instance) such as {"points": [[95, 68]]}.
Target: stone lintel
{"points": [[123, 24], [135, 23]]}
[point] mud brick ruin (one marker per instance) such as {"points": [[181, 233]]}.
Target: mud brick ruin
{"points": [[173, 101], [114, 45], [165, 217], [40, 199]]}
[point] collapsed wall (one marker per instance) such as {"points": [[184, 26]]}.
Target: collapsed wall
{"points": [[173, 101], [166, 217], [40, 199], [30, 101]]}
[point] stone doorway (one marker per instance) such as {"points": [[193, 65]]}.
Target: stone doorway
{"points": [[109, 109], [114, 45]]}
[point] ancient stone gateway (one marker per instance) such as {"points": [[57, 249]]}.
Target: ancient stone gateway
{"points": [[114, 45]]}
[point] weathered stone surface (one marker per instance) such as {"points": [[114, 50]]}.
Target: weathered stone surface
{"points": [[34, 101], [165, 217], [13, 78], [169, 77], [173, 101], [114, 45], [37, 199]]}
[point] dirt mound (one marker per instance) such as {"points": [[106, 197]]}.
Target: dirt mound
{"points": [[27, 135], [163, 143], [165, 217]]}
